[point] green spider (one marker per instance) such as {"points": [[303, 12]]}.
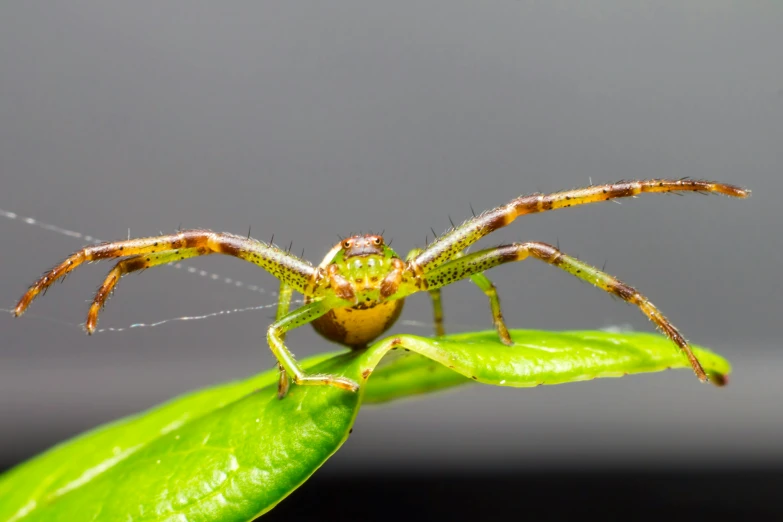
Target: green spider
{"points": [[357, 292]]}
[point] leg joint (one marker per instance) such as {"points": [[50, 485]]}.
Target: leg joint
{"points": [[274, 331], [624, 292], [491, 291], [544, 252]]}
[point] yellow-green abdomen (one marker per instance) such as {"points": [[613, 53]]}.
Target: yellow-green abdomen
{"points": [[356, 326]]}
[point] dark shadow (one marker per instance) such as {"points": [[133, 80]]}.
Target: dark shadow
{"points": [[535, 496]]}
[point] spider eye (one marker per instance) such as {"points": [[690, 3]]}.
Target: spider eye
{"points": [[346, 244], [378, 241]]}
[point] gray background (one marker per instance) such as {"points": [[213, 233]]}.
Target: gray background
{"points": [[307, 120]]}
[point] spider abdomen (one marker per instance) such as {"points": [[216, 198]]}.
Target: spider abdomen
{"points": [[358, 325]]}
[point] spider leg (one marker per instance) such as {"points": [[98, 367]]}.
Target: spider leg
{"points": [[283, 304], [294, 271], [489, 290], [449, 245], [437, 304], [126, 266], [299, 317], [479, 261], [294, 274], [437, 312]]}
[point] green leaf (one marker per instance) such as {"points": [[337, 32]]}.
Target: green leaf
{"points": [[232, 452]]}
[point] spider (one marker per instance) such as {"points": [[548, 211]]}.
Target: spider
{"points": [[357, 291]]}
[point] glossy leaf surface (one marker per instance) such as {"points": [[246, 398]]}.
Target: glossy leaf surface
{"points": [[231, 452]]}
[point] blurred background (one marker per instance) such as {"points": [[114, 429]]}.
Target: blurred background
{"points": [[307, 120]]}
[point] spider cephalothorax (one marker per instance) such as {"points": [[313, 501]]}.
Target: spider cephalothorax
{"points": [[357, 291]]}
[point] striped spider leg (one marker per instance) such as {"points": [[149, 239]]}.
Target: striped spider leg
{"points": [[443, 262], [294, 274]]}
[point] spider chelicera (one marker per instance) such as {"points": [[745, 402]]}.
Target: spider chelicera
{"points": [[357, 292]]}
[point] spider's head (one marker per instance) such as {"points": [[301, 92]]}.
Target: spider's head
{"points": [[359, 247]]}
